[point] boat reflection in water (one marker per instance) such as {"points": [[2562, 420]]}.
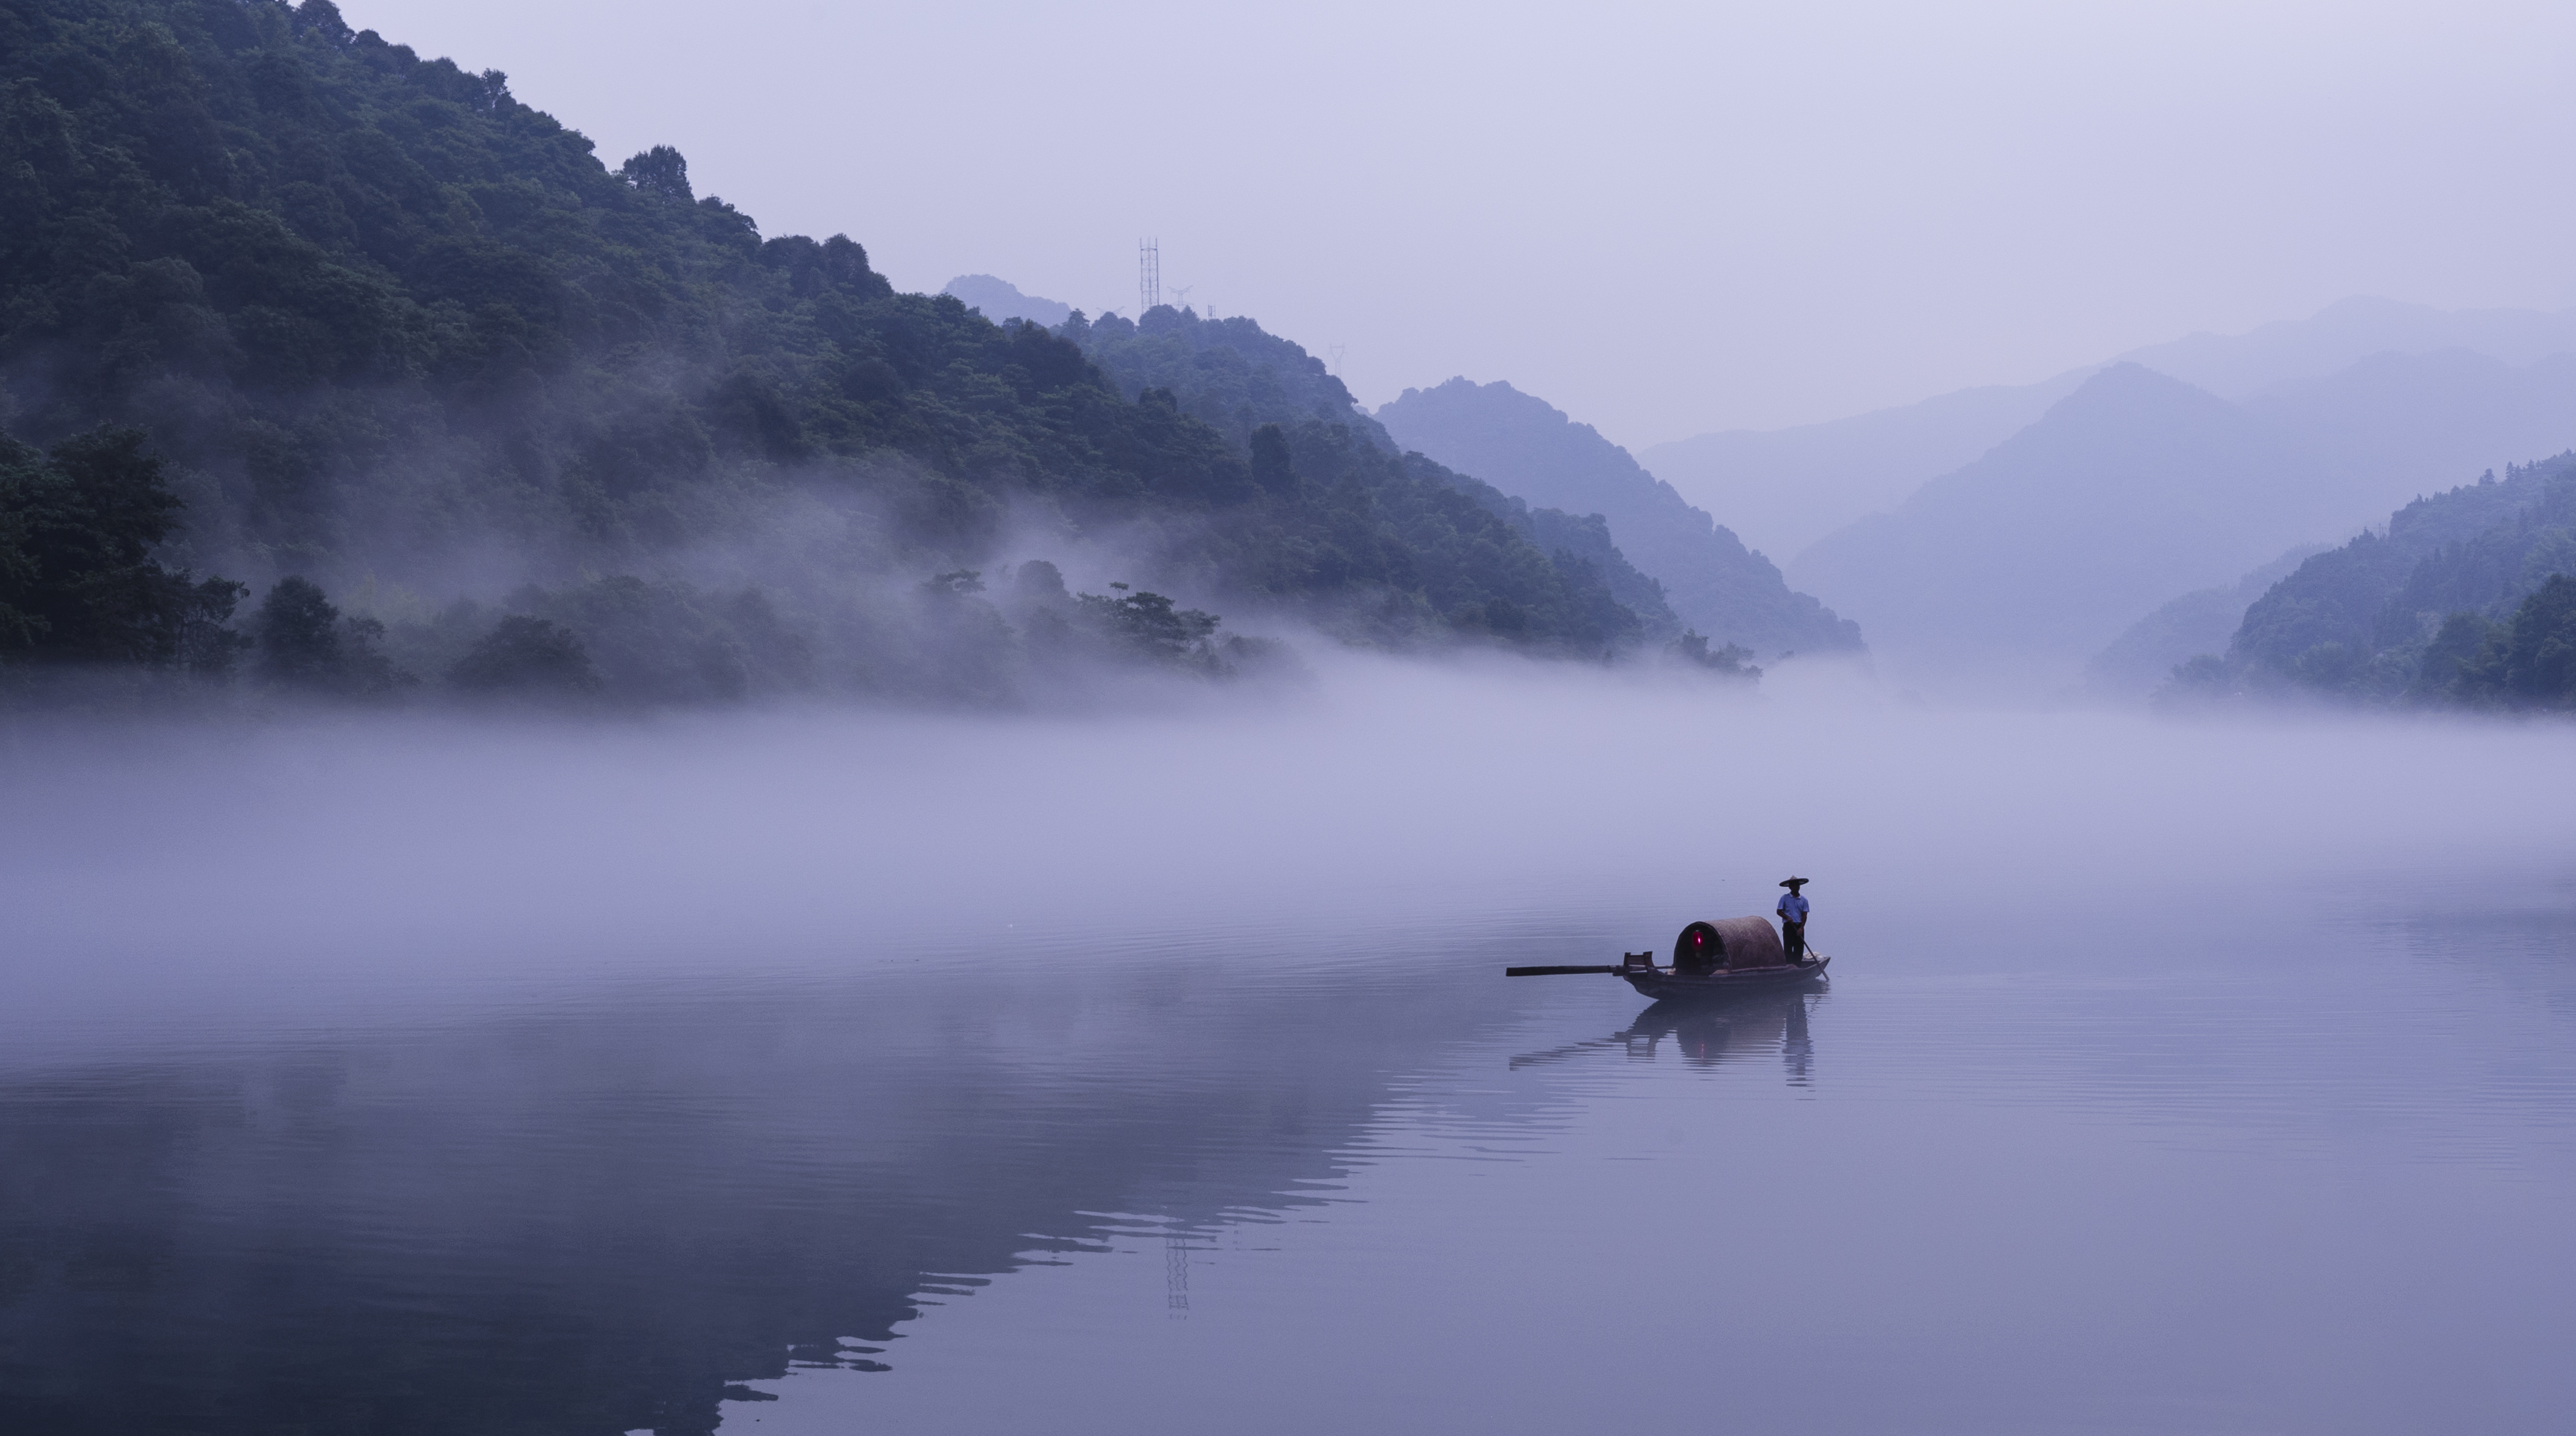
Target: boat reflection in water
{"points": [[1709, 1031]]}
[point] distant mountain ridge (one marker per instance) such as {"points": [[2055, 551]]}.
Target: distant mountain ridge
{"points": [[999, 299], [2241, 366], [1784, 489], [1535, 451], [2400, 425], [2299, 463], [2036, 555]]}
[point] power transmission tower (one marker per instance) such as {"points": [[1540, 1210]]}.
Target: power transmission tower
{"points": [[1149, 275]]}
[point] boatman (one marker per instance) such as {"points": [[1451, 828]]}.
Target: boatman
{"points": [[1793, 920]]}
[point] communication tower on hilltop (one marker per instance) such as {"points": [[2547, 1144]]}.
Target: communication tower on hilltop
{"points": [[1149, 275]]}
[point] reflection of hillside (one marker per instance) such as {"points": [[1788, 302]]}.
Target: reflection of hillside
{"points": [[1711, 1031], [595, 1219]]}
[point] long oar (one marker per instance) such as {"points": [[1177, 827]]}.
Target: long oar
{"points": [[1636, 962]]}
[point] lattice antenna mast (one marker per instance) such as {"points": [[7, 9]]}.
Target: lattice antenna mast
{"points": [[1149, 275]]}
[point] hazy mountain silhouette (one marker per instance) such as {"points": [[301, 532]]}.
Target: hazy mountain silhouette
{"points": [[1783, 489], [2238, 366], [2039, 553], [2397, 426], [999, 299], [2304, 462], [1531, 450]]}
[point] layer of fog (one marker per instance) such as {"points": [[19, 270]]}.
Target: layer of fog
{"points": [[284, 873], [814, 584]]}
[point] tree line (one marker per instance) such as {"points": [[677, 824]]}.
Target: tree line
{"points": [[2466, 600], [81, 590]]}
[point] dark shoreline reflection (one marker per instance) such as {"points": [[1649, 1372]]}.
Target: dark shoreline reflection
{"points": [[1712, 1031], [599, 1218]]}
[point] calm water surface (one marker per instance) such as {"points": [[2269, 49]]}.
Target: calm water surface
{"points": [[2270, 1156]]}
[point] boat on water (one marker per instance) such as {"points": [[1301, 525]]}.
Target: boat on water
{"points": [[1665, 985], [1710, 959]]}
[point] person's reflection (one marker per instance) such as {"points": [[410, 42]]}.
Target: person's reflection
{"points": [[1797, 1050]]}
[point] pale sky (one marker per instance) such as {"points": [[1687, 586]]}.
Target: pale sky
{"points": [[1664, 219]]}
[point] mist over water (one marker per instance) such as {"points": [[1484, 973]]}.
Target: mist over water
{"points": [[345, 852], [621, 820], [1148, 1072]]}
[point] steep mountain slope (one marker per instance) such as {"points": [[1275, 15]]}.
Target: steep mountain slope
{"points": [[2038, 554], [1532, 450], [2360, 619], [390, 326], [1229, 374]]}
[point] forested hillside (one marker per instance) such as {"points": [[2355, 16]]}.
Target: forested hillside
{"points": [[1532, 449], [385, 328], [1239, 379], [2467, 599]]}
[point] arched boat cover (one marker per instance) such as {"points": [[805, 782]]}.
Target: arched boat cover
{"points": [[1728, 942]]}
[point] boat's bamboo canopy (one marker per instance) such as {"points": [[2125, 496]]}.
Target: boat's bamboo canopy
{"points": [[1728, 942]]}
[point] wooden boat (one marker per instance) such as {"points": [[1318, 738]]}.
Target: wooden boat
{"points": [[1663, 984], [1710, 959]]}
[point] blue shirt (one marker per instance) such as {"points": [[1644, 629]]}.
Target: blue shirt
{"points": [[1793, 908]]}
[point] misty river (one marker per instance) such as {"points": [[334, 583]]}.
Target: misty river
{"points": [[813, 1071]]}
